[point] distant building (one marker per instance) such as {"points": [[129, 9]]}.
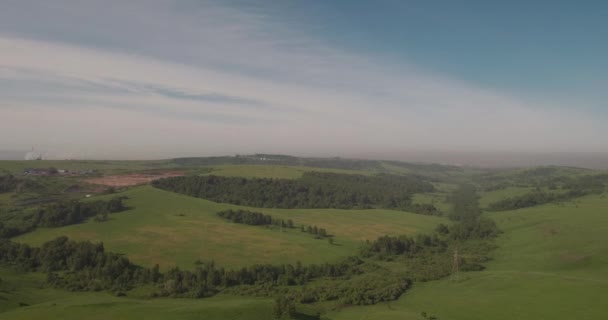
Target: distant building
{"points": [[33, 155]]}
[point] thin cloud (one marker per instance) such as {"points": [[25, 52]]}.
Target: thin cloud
{"points": [[219, 79]]}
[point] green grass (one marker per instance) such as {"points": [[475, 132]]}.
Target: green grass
{"points": [[49, 303], [173, 229], [552, 263]]}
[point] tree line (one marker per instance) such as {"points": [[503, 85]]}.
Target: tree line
{"points": [[16, 222], [314, 230], [86, 266], [258, 219], [313, 190], [248, 217], [538, 197]]}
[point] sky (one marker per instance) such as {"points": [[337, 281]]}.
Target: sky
{"points": [[166, 78]]}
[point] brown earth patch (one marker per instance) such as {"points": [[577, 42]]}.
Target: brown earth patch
{"points": [[133, 179]]}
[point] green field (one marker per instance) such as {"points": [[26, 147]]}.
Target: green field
{"points": [[172, 229], [551, 263], [48, 303]]}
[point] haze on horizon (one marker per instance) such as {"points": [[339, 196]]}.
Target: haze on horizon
{"points": [[390, 79]]}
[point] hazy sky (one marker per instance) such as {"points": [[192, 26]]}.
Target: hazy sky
{"points": [[162, 78]]}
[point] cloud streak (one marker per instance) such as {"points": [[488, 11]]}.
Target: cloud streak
{"points": [[213, 79]]}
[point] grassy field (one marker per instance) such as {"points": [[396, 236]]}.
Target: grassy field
{"points": [[48, 303], [552, 263], [170, 229]]}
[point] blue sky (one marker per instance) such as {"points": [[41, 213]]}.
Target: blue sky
{"points": [[158, 78], [529, 47]]}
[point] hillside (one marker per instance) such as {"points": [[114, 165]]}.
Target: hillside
{"points": [[162, 221], [550, 264], [549, 261]]}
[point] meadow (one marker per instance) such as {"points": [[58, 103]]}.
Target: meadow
{"points": [[161, 221], [23, 297], [550, 262]]}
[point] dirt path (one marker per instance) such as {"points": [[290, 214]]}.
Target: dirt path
{"points": [[134, 179]]}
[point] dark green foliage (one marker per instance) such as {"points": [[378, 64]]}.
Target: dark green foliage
{"points": [[577, 188], [318, 232], [313, 190], [480, 228], [66, 213], [56, 215], [258, 218], [429, 257], [424, 208], [465, 203], [527, 200], [76, 266], [470, 224], [386, 246], [284, 308], [246, 217], [367, 289], [84, 266], [552, 178]]}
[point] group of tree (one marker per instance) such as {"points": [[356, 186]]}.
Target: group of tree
{"points": [[538, 197], [284, 308], [469, 223], [85, 266], [552, 178], [429, 255], [319, 232], [246, 217], [57, 214], [254, 218], [259, 219], [313, 190]]}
